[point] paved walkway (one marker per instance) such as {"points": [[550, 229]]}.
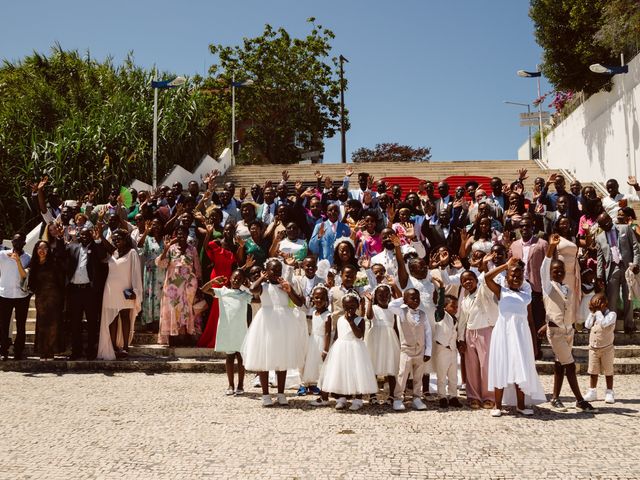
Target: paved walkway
{"points": [[175, 426]]}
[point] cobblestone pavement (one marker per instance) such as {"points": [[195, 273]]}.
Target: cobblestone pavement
{"points": [[181, 426]]}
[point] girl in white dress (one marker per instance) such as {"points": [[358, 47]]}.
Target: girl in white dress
{"points": [[381, 339], [232, 323], [319, 341], [277, 337], [347, 369], [512, 365]]}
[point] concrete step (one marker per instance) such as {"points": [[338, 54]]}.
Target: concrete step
{"points": [[132, 364], [581, 353], [621, 366], [161, 351]]}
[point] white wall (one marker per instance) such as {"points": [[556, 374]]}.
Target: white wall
{"points": [[601, 138]]}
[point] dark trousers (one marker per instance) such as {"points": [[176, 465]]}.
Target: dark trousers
{"points": [[21, 307], [538, 312], [84, 301]]}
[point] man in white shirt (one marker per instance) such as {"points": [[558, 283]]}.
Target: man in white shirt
{"points": [[13, 297], [617, 200]]}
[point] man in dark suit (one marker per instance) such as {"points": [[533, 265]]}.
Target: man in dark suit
{"points": [[618, 250], [86, 273], [442, 233]]}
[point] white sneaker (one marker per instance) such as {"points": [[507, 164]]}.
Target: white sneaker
{"points": [[319, 402], [525, 411], [267, 401], [496, 412], [341, 403], [591, 395], [255, 383], [418, 404], [357, 404], [398, 406], [282, 400], [608, 397]]}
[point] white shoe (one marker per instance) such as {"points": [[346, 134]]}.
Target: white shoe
{"points": [[591, 395], [282, 400], [608, 397], [341, 403], [418, 404], [357, 404], [255, 383], [319, 402], [496, 412], [525, 411], [398, 406], [267, 401]]}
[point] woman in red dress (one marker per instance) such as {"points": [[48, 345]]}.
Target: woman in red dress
{"points": [[222, 253]]}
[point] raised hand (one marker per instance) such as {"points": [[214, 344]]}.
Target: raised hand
{"points": [[243, 193], [240, 242], [370, 182], [437, 282], [445, 257], [43, 182], [632, 181], [348, 171], [522, 174], [434, 261], [552, 178], [298, 186], [285, 175], [286, 286], [456, 262], [554, 240], [318, 175], [328, 183], [365, 262], [512, 262], [409, 230]]}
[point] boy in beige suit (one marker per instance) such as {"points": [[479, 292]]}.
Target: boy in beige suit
{"points": [[601, 321], [415, 346], [559, 326]]}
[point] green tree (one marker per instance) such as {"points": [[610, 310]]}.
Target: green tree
{"points": [[391, 152], [294, 97], [566, 31], [88, 124], [620, 30]]}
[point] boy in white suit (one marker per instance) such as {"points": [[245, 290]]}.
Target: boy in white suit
{"points": [[445, 352]]}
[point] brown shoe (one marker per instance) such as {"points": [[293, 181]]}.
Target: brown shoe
{"points": [[474, 404], [488, 404]]}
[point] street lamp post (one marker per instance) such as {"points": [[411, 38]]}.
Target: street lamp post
{"points": [[537, 74], [343, 138], [529, 112], [235, 84], [157, 85]]}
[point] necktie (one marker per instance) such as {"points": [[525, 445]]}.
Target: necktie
{"points": [[613, 242], [334, 227]]}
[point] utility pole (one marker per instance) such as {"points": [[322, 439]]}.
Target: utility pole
{"points": [[342, 130]]}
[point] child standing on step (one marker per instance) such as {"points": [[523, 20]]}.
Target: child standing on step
{"points": [[232, 323], [445, 351], [601, 322]]}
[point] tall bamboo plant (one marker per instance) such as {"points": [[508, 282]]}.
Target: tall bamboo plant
{"points": [[88, 124]]}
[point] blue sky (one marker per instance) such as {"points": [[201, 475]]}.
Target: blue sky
{"points": [[422, 73]]}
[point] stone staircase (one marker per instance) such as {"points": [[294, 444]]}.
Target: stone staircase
{"points": [[147, 356], [507, 170]]}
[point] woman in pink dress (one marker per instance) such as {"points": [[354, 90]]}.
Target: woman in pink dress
{"points": [[222, 253]]}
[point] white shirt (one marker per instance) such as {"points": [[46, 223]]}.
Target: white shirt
{"points": [[10, 280], [545, 277], [387, 258], [611, 204], [478, 309], [81, 276], [598, 318]]}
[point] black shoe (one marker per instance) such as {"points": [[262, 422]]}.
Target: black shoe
{"points": [[444, 403], [585, 406], [454, 402], [18, 356], [557, 405]]}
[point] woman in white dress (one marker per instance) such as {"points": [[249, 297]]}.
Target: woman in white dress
{"points": [[122, 297], [381, 339], [277, 337], [348, 369], [512, 366]]}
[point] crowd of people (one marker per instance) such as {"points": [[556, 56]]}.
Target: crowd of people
{"points": [[343, 288]]}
